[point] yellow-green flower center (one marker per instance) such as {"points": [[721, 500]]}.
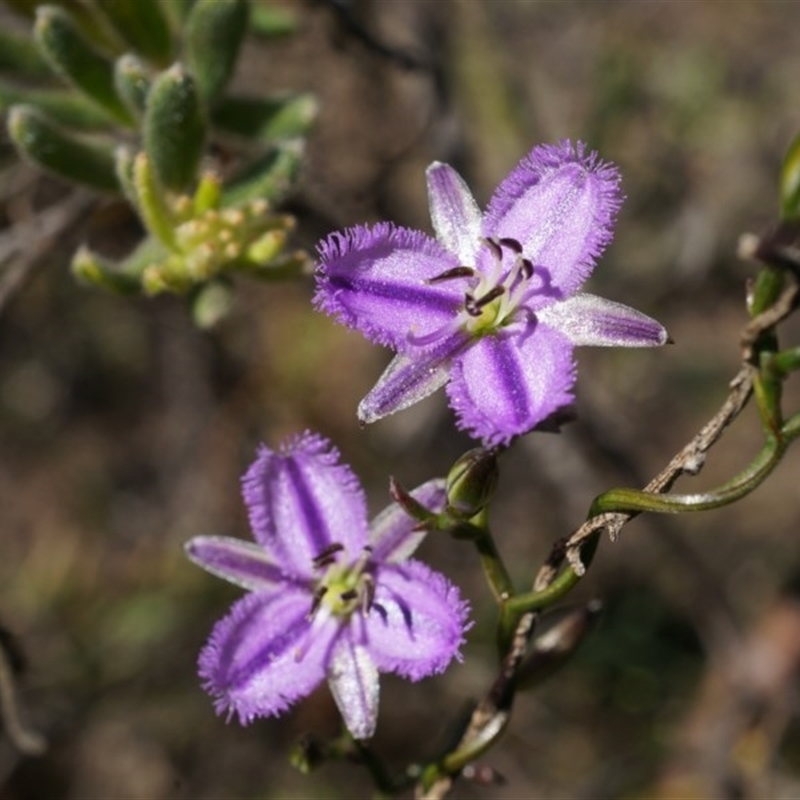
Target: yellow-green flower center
{"points": [[345, 588]]}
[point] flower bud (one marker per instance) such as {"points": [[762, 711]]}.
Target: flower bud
{"points": [[471, 482]]}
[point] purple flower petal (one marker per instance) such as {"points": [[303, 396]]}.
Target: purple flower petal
{"points": [[455, 215], [264, 655], [276, 644], [411, 377], [393, 533], [376, 280], [589, 320], [353, 680], [244, 563], [417, 620], [507, 383], [559, 203], [301, 501]]}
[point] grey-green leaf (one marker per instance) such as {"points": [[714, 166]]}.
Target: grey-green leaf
{"points": [[214, 33], [76, 60], [52, 148], [174, 128]]}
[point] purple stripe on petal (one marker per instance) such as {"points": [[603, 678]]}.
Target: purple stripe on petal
{"points": [[260, 658], [392, 533], [301, 501], [455, 214], [244, 563], [589, 320], [417, 621], [411, 377], [353, 680], [559, 203], [376, 280], [507, 384]]}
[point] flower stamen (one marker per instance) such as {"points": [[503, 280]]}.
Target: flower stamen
{"points": [[367, 593], [450, 274], [327, 556], [316, 600], [512, 244], [473, 306]]}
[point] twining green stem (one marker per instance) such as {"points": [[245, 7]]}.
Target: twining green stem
{"points": [[765, 291], [769, 301], [633, 501], [385, 783], [783, 363], [470, 750]]}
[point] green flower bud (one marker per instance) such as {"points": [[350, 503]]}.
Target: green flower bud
{"points": [[471, 482], [174, 128], [53, 149]]}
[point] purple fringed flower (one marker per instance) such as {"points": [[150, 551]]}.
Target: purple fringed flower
{"points": [[329, 596], [491, 306]]}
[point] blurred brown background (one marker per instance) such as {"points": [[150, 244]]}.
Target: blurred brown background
{"points": [[124, 429]]}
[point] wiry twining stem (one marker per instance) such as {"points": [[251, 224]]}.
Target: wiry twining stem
{"points": [[773, 297]]}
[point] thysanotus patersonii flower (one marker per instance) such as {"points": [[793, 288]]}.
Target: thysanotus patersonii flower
{"points": [[490, 307], [329, 595]]}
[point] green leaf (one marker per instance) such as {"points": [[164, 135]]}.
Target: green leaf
{"points": [[142, 25], [52, 148], [147, 252], [211, 304], [19, 56], [124, 161], [271, 22], [176, 12], [153, 208], [790, 181], [174, 128], [132, 80], [269, 119], [64, 107], [270, 178], [90, 268], [76, 60], [213, 35]]}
